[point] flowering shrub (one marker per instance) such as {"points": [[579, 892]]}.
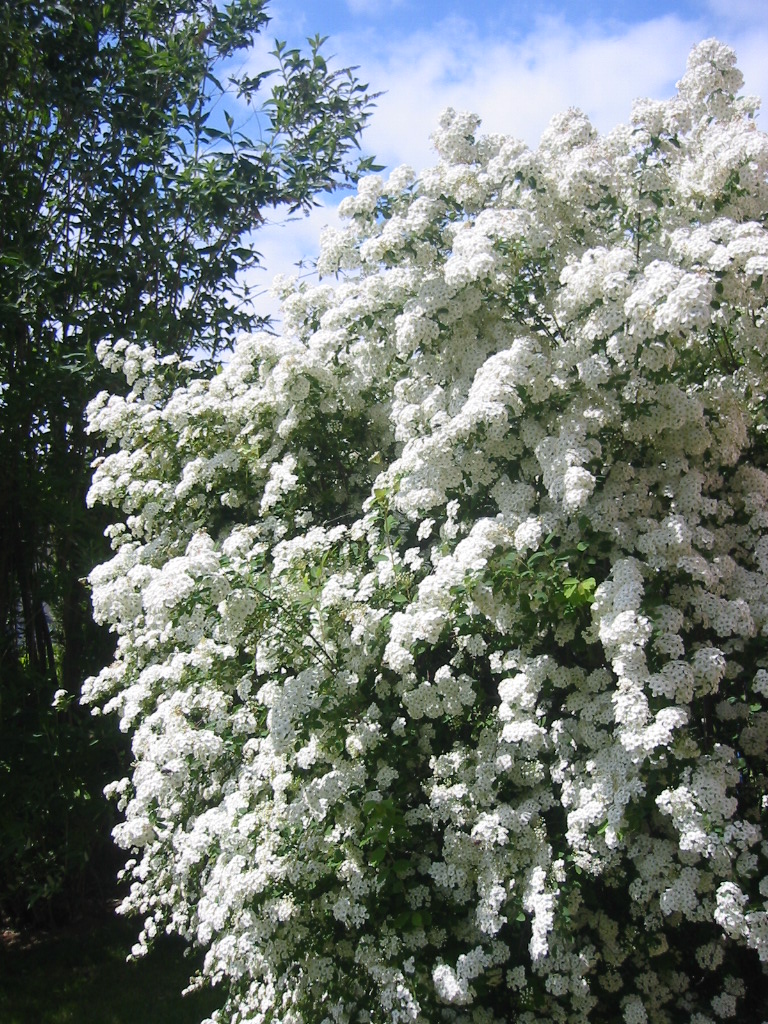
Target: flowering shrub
{"points": [[442, 618]]}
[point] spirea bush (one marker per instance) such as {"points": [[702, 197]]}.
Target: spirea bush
{"points": [[442, 617]]}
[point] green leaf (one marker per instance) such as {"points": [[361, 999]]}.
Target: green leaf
{"points": [[377, 855]]}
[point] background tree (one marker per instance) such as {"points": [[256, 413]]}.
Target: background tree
{"points": [[127, 192]]}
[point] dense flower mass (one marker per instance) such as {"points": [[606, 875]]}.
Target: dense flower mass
{"points": [[442, 618]]}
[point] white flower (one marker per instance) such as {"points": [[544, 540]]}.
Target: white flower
{"points": [[440, 618], [529, 534], [579, 485], [449, 988], [425, 528]]}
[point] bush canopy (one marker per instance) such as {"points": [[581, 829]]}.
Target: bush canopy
{"points": [[442, 617]]}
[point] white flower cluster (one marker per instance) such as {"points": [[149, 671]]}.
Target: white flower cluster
{"points": [[441, 621]]}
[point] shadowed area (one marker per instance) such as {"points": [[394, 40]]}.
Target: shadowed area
{"points": [[79, 975]]}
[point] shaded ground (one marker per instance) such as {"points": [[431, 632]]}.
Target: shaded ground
{"points": [[78, 975]]}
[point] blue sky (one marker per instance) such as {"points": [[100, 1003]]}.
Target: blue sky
{"points": [[515, 64]]}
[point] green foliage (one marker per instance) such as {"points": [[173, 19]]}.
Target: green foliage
{"points": [[128, 192], [126, 209], [549, 586]]}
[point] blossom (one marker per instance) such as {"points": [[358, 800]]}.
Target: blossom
{"points": [[440, 617]]}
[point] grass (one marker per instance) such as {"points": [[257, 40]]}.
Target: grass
{"points": [[80, 976]]}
